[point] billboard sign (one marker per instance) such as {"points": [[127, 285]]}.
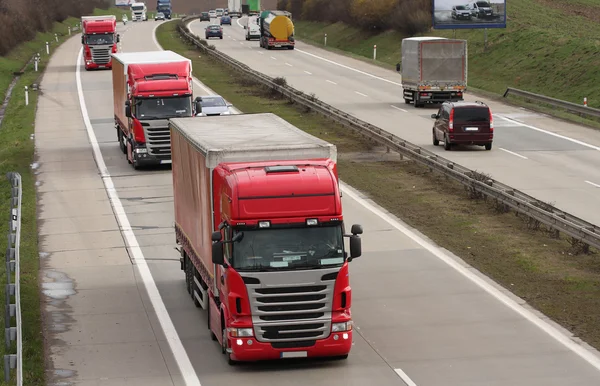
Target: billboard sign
{"points": [[462, 14], [123, 3]]}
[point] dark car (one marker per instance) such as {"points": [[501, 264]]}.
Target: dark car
{"points": [[204, 16], [461, 12], [463, 123], [225, 20], [214, 31]]}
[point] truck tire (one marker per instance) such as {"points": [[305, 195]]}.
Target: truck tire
{"points": [[121, 140], [212, 334], [407, 101]]}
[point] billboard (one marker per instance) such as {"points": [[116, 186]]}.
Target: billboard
{"points": [[461, 14], [123, 3]]}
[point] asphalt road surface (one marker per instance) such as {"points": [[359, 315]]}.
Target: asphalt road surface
{"points": [[423, 317], [551, 160]]}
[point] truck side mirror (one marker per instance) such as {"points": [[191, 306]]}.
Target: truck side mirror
{"points": [[216, 236], [217, 253], [127, 109], [355, 247], [356, 229], [118, 38], [434, 116], [397, 67], [82, 39]]}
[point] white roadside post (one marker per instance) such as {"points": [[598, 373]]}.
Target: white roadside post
{"points": [[69, 28], [47, 48], [375, 52], [325, 40], [35, 63], [56, 37], [585, 102], [26, 96]]}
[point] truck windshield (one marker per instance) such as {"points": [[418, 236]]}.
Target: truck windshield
{"points": [[163, 108], [100, 39], [289, 249], [138, 8]]}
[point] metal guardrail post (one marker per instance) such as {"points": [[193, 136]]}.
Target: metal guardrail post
{"points": [[554, 218], [13, 310], [581, 110]]}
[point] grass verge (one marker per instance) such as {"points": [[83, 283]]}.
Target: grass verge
{"points": [[548, 48], [16, 155], [547, 272]]}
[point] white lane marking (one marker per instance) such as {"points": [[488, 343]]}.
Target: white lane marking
{"points": [[274, 58], [467, 272], [517, 123], [242, 43], [234, 39], [360, 93], [405, 378], [309, 73], [591, 183], [287, 64], [513, 153], [260, 52], [183, 361], [398, 108], [347, 67], [329, 81]]}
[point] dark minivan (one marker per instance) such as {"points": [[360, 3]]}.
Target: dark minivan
{"points": [[204, 16], [463, 123]]}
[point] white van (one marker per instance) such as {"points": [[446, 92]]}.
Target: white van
{"points": [[219, 12], [252, 31]]}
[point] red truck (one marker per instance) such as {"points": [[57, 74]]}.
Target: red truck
{"points": [[258, 215], [149, 88], [99, 38]]}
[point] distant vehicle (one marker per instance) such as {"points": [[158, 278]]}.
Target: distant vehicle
{"points": [[212, 13], [214, 31], [463, 123], [461, 12], [124, 18], [252, 30], [99, 38], [225, 12], [204, 16], [219, 11], [482, 10], [139, 11], [213, 105], [159, 16], [225, 20], [164, 6], [433, 69], [234, 8], [276, 30]]}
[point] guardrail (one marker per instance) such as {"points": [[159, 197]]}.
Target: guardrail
{"points": [[476, 182], [13, 289], [583, 111]]}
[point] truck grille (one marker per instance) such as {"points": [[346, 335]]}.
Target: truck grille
{"points": [[158, 138], [100, 55], [291, 313]]}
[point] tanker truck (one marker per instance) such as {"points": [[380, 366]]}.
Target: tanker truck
{"points": [[276, 30]]}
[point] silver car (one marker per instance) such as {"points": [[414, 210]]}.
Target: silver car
{"points": [[213, 105]]}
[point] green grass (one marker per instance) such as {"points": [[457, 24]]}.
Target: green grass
{"points": [[545, 49], [16, 155], [543, 270]]}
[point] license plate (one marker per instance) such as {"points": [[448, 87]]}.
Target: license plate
{"points": [[277, 45], [166, 161], [294, 354], [471, 128]]}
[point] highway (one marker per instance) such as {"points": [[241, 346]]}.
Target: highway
{"points": [[549, 159], [423, 317]]}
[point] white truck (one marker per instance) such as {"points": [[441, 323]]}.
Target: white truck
{"points": [[434, 70], [139, 12], [235, 8]]}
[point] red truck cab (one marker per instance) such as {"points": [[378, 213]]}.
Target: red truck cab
{"points": [[258, 214], [99, 38]]}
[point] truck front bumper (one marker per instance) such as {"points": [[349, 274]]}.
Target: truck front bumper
{"points": [[144, 158], [90, 65], [249, 349]]}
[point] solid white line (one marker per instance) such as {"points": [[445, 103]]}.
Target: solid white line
{"points": [[398, 108], [309, 73], [347, 67], [331, 81], [181, 358], [405, 378], [467, 272], [287, 64], [550, 133], [360, 93], [591, 183], [513, 153]]}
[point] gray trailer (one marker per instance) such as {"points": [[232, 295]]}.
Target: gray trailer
{"points": [[434, 70]]}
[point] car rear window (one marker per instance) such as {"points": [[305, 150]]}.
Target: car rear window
{"points": [[214, 27], [472, 114]]}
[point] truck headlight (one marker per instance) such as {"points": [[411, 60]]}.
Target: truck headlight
{"points": [[340, 327], [241, 332]]}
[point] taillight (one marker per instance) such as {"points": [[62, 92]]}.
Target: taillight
{"points": [[138, 132], [451, 121], [491, 121]]}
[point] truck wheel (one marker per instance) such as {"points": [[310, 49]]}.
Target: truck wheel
{"points": [[230, 361], [212, 334], [290, 47], [407, 101], [121, 140]]}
